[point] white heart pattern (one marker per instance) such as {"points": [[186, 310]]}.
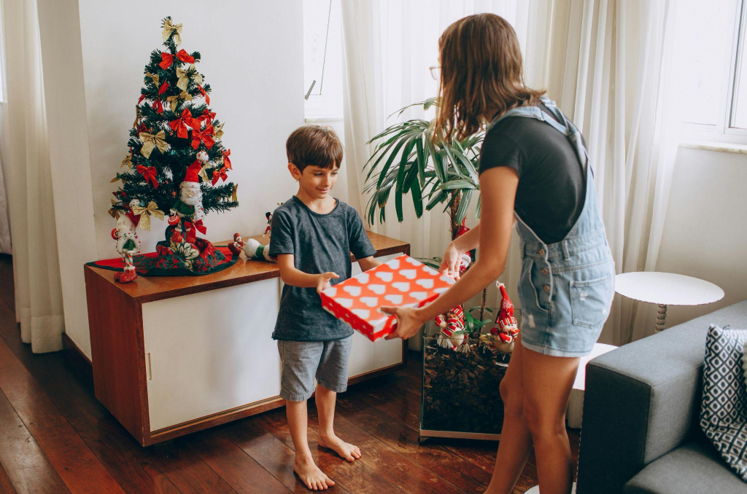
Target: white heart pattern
{"points": [[370, 301], [384, 276], [426, 283], [330, 292], [352, 290], [445, 278], [440, 290], [430, 270], [345, 302], [412, 261], [394, 264], [363, 278], [395, 299], [362, 313], [408, 273], [377, 289], [402, 286], [419, 295]]}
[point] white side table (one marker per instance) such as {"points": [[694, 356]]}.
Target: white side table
{"points": [[664, 289]]}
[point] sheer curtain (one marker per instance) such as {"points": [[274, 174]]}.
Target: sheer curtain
{"points": [[613, 69], [388, 47], [27, 160], [608, 64]]}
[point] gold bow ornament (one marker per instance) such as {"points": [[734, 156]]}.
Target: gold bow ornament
{"points": [[203, 174], [154, 77], [169, 28], [151, 141], [145, 212], [218, 131], [127, 161], [183, 75]]}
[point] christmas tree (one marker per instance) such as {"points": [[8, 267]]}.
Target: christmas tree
{"points": [[177, 164]]}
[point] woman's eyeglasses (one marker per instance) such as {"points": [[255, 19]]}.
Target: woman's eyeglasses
{"points": [[435, 72]]}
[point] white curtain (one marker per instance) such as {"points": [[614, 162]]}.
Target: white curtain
{"points": [[30, 194], [388, 47], [612, 67], [608, 64]]}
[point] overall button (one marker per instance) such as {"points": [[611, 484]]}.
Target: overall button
{"points": [[541, 252], [546, 288], [545, 271]]}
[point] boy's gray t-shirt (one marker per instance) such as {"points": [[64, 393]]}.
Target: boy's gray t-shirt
{"points": [[319, 243]]}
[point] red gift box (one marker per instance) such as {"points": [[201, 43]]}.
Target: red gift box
{"points": [[401, 282]]}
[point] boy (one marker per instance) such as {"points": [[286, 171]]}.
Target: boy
{"points": [[313, 235]]}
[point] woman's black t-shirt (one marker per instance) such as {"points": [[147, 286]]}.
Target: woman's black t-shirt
{"points": [[552, 187]]}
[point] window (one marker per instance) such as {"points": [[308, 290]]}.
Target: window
{"points": [[711, 50], [322, 25]]}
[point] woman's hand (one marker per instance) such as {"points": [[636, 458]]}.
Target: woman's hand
{"points": [[451, 261], [322, 281], [409, 321]]}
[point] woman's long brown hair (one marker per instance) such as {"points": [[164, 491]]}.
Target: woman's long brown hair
{"points": [[481, 75]]}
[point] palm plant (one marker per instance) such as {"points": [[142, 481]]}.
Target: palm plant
{"points": [[407, 160]]}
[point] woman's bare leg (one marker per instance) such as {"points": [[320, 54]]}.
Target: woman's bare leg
{"points": [[547, 386], [516, 442]]}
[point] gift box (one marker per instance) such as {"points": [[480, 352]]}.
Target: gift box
{"points": [[401, 282]]}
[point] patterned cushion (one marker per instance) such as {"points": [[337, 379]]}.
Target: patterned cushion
{"points": [[723, 416]]}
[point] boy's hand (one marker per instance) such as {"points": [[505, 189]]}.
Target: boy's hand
{"points": [[323, 281], [451, 261]]}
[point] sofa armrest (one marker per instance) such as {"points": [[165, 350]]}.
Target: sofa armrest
{"points": [[642, 400]]}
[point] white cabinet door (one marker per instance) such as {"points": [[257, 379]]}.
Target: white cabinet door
{"points": [[210, 352], [368, 356]]}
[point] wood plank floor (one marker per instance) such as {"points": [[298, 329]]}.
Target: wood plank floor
{"points": [[55, 437]]}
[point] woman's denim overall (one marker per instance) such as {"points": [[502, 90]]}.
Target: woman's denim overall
{"points": [[566, 288]]}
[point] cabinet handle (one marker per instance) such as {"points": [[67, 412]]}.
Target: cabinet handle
{"points": [[149, 370]]}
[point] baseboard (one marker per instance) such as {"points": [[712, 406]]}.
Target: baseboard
{"points": [[78, 360]]}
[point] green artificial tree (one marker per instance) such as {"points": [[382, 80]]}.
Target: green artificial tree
{"points": [[177, 166]]}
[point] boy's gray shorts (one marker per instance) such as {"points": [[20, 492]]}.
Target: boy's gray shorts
{"points": [[304, 360]]}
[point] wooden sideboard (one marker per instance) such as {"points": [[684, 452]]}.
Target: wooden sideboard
{"points": [[175, 355]]}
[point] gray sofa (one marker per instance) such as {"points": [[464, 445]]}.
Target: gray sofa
{"points": [[640, 430]]}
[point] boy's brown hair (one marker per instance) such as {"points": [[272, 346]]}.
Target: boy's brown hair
{"points": [[481, 75], [314, 145]]}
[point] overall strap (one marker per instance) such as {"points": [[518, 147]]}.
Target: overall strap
{"points": [[559, 123]]}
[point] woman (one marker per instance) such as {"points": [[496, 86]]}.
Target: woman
{"points": [[533, 166]]}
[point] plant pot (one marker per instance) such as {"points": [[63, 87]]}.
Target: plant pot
{"points": [[461, 391]]}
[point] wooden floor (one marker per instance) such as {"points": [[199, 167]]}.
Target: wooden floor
{"points": [[55, 437]]}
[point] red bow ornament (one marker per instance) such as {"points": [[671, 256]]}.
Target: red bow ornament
{"points": [[205, 94], [226, 159], [205, 136], [180, 124], [167, 59], [149, 174], [207, 116], [218, 174], [163, 88], [158, 106], [140, 99]]}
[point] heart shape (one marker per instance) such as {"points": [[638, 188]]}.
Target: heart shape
{"points": [[412, 261], [430, 270], [330, 292], [402, 286], [394, 264], [426, 283], [369, 301], [352, 290], [377, 289], [408, 273], [362, 313], [385, 276], [363, 278], [395, 299], [345, 302], [419, 295], [445, 278]]}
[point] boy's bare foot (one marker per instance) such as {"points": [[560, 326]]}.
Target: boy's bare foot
{"points": [[347, 451], [310, 474]]}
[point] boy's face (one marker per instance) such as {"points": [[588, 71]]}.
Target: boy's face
{"points": [[317, 182]]}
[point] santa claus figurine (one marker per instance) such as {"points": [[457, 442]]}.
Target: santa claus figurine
{"points": [[256, 251], [128, 244], [189, 204], [504, 332], [452, 334], [237, 244]]}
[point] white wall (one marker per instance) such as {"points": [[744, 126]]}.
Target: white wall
{"points": [[705, 234], [252, 58]]}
